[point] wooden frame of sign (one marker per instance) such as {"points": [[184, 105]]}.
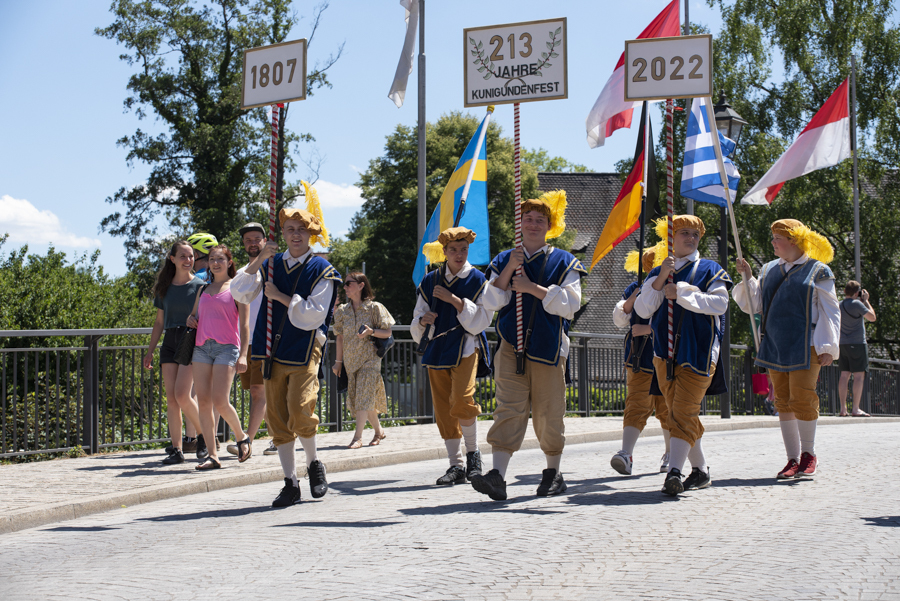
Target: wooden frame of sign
{"points": [[274, 74], [541, 67], [675, 67]]}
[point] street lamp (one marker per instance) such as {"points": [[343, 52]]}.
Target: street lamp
{"points": [[727, 120], [730, 124]]}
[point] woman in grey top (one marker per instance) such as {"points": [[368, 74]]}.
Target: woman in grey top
{"points": [[854, 357]]}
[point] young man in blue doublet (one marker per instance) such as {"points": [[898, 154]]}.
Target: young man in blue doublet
{"points": [[644, 395], [700, 295], [303, 292], [551, 291], [456, 337], [800, 332]]}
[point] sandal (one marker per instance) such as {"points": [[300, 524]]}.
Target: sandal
{"points": [[208, 464], [377, 440], [242, 457], [861, 414], [355, 443]]}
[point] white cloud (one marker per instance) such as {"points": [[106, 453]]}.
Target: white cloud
{"points": [[343, 196], [25, 224]]}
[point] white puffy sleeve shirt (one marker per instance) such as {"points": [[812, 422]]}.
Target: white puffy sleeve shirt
{"points": [[474, 318], [305, 313]]}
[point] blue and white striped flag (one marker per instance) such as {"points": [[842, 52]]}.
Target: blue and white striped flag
{"points": [[700, 177]]}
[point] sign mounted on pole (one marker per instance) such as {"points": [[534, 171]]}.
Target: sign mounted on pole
{"points": [[274, 74], [660, 68], [518, 62]]}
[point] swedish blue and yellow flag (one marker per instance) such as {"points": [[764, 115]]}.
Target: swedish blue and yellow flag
{"points": [[475, 215]]}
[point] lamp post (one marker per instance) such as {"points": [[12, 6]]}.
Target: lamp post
{"points": [[730, 124]]}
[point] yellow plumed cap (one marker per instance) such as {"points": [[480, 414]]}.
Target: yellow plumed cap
{"points": [[315, 208], [812, 243], [553, 205], [434, 252], [679, 222], [652, 257]]}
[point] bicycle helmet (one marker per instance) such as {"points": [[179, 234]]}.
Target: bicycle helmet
{"points": [[203, 242]]}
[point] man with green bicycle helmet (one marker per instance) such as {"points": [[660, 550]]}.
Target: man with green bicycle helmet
{"points": [[202, 243]]}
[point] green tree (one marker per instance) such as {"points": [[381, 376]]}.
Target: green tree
{"points": [[386, 223], [48, 292], [813, 42], [209, 168]]}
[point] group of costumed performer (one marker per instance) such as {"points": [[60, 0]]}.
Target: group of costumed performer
{"points": [[456, 346], [303, 291], [700, 294], [799, 332], [550, 286], [644, 396]]}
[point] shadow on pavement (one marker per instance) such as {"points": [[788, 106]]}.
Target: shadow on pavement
{"points": [[360, 524], [200, 515], [480, 504], [888, 521], [79, 529], [741, 482], [617, 498], [355, 487]]}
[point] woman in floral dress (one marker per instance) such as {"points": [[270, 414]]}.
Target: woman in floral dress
{"points": [[355, 322]]}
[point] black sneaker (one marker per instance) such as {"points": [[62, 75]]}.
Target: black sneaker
{"points": [[289, 495], [317, 483], [697, 479], [490, 484], [453, 475], [552, 483], [673, 485], [174, 458], [170, 449], [202, 451], [473, 464]]}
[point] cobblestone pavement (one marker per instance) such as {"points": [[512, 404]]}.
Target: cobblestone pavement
{"points": [[388, 533], [36, 494]]}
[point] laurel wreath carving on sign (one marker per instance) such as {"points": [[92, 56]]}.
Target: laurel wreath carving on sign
{"points": [[489, 70]]}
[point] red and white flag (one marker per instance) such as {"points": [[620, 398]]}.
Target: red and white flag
{"points": [[610, 111], [824, 142]]}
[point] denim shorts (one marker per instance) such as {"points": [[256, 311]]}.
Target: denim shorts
{"points": [[215, 353]]}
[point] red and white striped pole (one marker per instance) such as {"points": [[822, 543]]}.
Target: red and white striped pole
{"points": [[520, 334], [273, 187], [670, 210]]}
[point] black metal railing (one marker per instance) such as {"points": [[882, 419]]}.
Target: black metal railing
{"points": [[57, 396]]}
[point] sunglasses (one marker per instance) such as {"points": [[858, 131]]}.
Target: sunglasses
{"points": [[348, 282]]}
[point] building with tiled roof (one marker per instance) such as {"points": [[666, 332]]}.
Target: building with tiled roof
{"points": [[590, 199]]}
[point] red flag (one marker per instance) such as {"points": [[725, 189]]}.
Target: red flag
{"points": [[610, 111], [824, 142]]}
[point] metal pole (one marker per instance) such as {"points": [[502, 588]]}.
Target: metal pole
{"points": [[687, 31], [725, 346], [855, 172], [421, 83]]}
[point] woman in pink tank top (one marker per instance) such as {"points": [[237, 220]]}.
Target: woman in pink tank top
{"points": [[223, 338]]}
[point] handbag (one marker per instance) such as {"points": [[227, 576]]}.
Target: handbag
{"points": [[184, 352], [342, 382], [760, 383], [383, 345]]}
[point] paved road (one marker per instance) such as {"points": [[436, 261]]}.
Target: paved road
{"points": [[387, 533]]}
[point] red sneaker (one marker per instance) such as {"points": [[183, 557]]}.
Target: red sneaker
{"points": [[790, 470], [807, 467]]}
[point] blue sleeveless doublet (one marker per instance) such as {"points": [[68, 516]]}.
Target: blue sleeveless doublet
{"points": [[448, 335], [296, 345], [645, 361]]}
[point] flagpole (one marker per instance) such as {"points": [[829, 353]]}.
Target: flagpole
{"points": [[714, 133], [855, 171], [426, 338], [646, 113], [472, 165], [520, 343], [273, 188], [420, 179]]}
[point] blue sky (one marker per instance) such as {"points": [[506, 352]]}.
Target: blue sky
{"points": [[62, 90]]}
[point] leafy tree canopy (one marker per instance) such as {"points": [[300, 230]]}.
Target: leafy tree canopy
{"points": [[209, 168]]}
